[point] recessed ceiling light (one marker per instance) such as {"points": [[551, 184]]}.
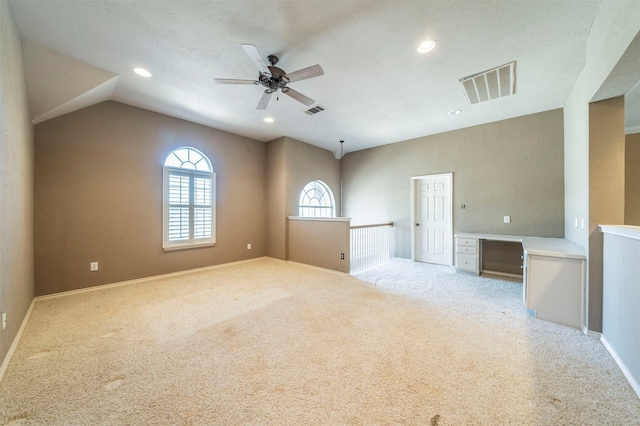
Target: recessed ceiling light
{"points": [[455, 112], [268, 119], [142, 72], [427, 46]]}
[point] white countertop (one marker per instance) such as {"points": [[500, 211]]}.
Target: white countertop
{"points": [[628, 231], [554, 247]]}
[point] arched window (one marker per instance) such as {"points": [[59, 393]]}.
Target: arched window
{"points": [[189, 194], [316, 200]]}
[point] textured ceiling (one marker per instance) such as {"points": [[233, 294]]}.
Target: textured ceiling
{"points": [[376, 89]]}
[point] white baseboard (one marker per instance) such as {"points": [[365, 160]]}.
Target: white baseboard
{"points": [[632, 380], [141, 280], [16, 340], [590, 333], [318, 268]]}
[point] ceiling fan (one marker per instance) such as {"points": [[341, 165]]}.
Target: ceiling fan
{"points": [[274, 78]]}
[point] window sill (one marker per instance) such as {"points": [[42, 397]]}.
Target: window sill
{"points": [[320, 219], [188, 246]]}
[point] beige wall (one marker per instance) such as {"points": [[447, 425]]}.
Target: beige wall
{"points": [[606, 191], [320, 243], [632, 180], [305, 163], [276, 216], [512, 167], [98, 196], [291, 165], [16, 184]]}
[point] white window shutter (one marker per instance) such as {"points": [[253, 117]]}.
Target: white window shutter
{"points": [[188, 200]]}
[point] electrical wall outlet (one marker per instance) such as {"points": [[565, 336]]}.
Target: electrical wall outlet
{"points": [[507, 219], [342, 256], [249, 246], [93, 266], [4, 320]]}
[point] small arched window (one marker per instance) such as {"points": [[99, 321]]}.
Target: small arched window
{"points": [[188, 200], [316, 200]]}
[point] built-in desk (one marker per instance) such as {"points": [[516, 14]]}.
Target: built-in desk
{"points": [[553, 278]]}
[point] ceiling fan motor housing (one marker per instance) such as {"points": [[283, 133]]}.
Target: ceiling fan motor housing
{"points": [[277, 80]]}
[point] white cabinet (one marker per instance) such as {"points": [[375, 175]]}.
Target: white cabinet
{"points": [[554, 273], [468, 255], [554, 287]]}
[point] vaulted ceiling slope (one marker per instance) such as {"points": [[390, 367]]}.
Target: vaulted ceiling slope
{"points": [[376, 89]]}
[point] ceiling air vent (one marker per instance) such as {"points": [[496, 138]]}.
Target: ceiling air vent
{"points": [[316, 109], [491, 84]]}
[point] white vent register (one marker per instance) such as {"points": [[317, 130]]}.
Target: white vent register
{"points": [[491, 84], [316, 109]]}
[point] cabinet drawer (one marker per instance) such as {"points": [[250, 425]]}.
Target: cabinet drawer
{"points": [[472, 242], [467, 262], [466, 249]]}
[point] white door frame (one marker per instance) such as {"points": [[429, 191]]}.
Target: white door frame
{"points": [[414, 185]]}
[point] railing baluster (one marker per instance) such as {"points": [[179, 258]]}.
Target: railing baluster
{"points": [[370, 245]]}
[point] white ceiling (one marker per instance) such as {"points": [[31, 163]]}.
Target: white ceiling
{"points": [[376, 89]]}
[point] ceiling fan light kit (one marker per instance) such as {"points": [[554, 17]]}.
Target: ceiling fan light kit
{"points": [[274, 78]]}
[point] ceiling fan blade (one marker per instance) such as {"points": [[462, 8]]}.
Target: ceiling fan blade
{"points": [[309, 72], [256, 58], [297, 96], [233, 81], [264, 100]]}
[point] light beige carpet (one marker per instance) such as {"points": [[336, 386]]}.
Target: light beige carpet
{"points": [[267, 343]]}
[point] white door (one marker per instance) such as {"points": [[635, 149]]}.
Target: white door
{"points": [[433, 219]]}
